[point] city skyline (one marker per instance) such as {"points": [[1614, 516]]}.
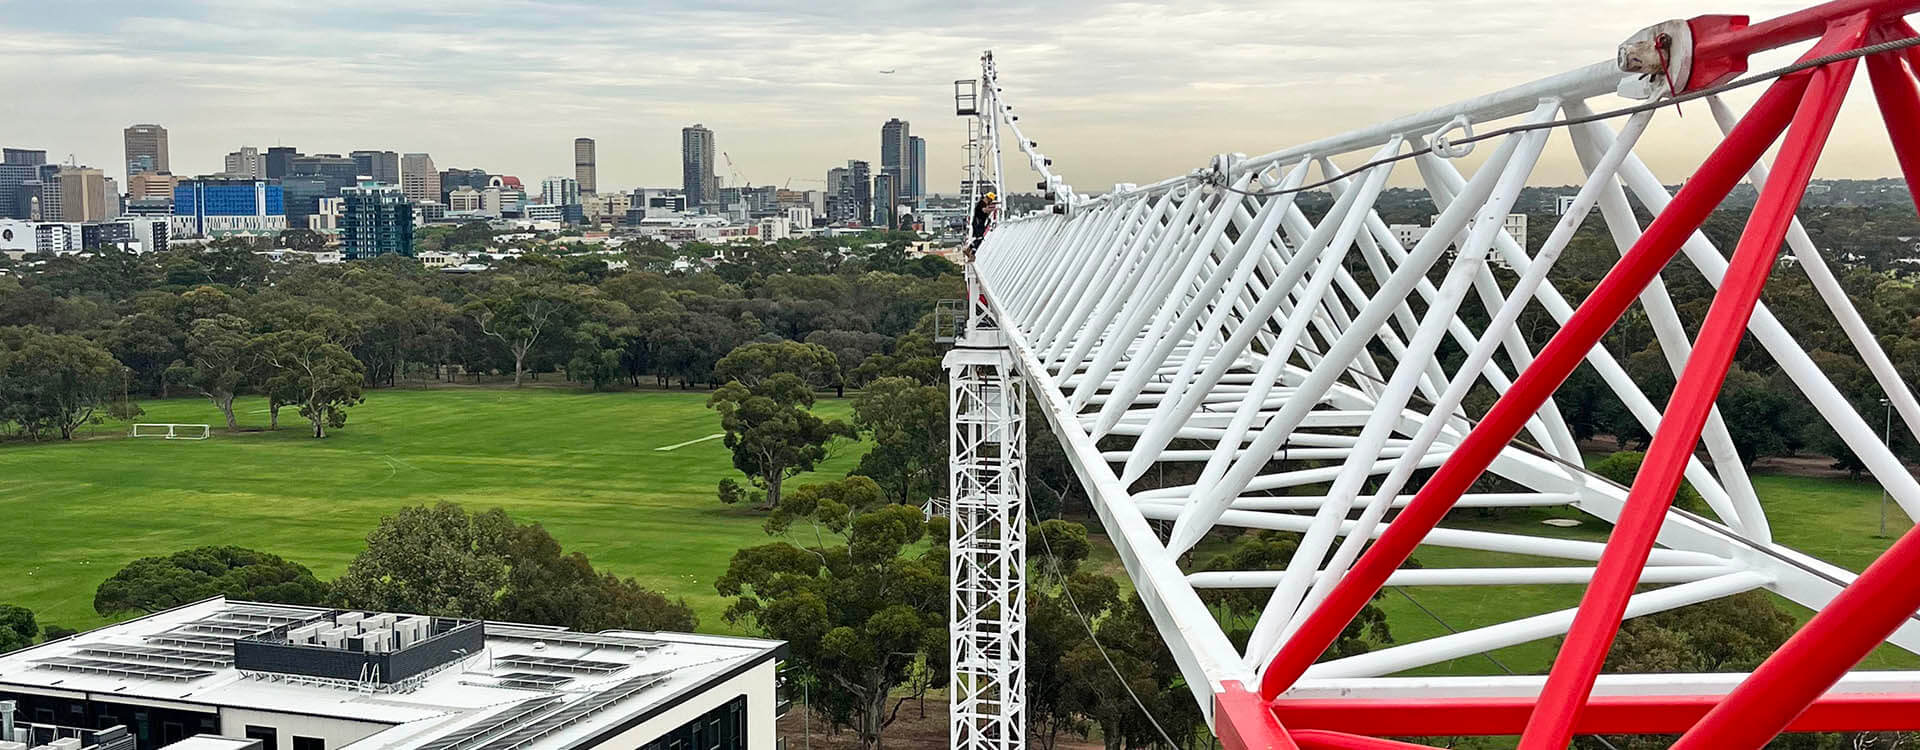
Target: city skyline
{"points": [[1178, 79]]}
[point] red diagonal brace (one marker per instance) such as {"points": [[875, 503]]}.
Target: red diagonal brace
{"points": [[1314, 739], [1605, 602], [1726, 167], [1615, 714], [1893, 87], [1867, 611]]}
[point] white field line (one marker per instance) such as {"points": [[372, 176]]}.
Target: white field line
{"points": [[715, 436]]}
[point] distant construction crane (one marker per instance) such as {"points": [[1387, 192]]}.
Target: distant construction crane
{"points": [[739, 180]]}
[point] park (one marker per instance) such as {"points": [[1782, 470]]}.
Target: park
{"points": [[627, 478]]}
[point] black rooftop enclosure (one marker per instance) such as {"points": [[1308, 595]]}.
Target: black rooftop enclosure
{"points": [[448, 639]]}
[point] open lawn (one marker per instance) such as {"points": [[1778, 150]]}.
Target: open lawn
{"points": [[590, 467], [584, 465]]}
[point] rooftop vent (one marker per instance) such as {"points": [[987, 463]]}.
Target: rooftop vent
{"points": [[374, 651]]}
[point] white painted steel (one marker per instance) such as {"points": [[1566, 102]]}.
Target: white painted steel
{"points": [[1300, 368]]}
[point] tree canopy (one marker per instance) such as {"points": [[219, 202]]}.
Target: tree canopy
{"points": [[441, 560], [152, 584], [17, 628], [861, 611], [772, 432]]}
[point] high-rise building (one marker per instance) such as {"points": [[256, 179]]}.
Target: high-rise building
{"points": [[418, 179], [280, 161], [20, 168], [886, 197], [560, 191], [380, 166], [302, 196], [218, 206], [585, 171], [856, 192], [896, 150], [246, 162], [151, 185], [917, 169], [697, 180], [83, 196], [339, 171], [29, 157], [376, 220], [146, 147]]}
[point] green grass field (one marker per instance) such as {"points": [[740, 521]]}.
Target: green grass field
{"points": [[581, 464], [585, 466]]}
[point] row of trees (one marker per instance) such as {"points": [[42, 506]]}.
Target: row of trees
{"points": [[221, 321]]}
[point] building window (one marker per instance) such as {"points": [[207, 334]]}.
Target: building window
{"points": [[723, 728], [309, 743], [268, 736]]}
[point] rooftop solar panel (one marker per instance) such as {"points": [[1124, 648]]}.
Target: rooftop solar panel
{"points": [[191, 640], [151, 653], [594, 640], [504, 721], [573, 713], [122, 669], [556, 663], [532, 680]]}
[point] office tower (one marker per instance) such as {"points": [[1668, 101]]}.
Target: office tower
{"points": [[917, 170], [280, 161], [302, 195], [151, 185], [216, 206], [20, 169], [418, 179], [380, 166], [896, 150], [585, 172], [376, 220], [697, 180], [82, 195], [246, 162], [560, 191], [339, 172], [885, 198], [856, 192], [146, 147], [25, 157]]}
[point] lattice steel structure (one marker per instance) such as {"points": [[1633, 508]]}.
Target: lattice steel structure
{"points": [[1210, 309], [987, 646]]}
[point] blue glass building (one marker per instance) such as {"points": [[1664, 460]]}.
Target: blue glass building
{"points": [[211, 206]]}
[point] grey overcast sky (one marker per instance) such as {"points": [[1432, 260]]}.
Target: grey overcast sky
{"points": [[1130, 91]]}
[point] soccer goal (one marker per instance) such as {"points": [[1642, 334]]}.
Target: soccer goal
{"points": [[173, 431]]}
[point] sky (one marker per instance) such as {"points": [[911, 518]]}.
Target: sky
{"points": [[1113, 92]]}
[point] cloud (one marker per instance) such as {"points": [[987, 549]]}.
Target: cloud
{"points": [[1129, 91]]}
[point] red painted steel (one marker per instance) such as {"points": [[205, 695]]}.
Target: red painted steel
{"points": [[1834, 641], [1605, 602], [1716, 177], [1866, 612], [1242, 721], [1662, 714], [1321, 740], [1721, 44], [1893, 88]]}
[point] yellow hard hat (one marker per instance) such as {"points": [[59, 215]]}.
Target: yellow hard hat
{"points": [[992, 197]]}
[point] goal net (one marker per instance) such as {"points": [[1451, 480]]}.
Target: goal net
{"points": [[173, 431]]}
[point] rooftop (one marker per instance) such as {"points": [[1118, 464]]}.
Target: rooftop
{"points": [[449, 685]]}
